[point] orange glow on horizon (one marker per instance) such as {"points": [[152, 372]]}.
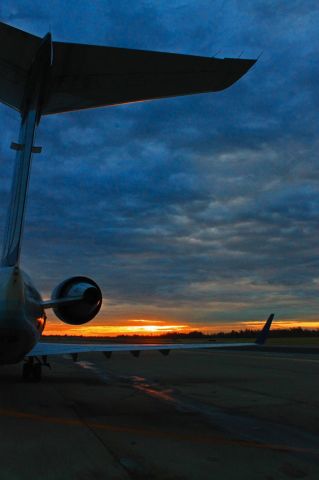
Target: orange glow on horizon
{"points": [[310, 324], [157, 327], [144, 327]]}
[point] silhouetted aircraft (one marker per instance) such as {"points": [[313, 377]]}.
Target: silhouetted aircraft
{"points": [[41, 77]]}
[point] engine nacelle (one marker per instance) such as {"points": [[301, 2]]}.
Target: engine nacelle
{"points": [[80, 311]]}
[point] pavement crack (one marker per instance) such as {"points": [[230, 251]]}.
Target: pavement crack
{"points": [[76, 410], [98, 437]]}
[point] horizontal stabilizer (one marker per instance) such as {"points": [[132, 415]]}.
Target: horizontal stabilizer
{"points": [[88, 76], [17, 50]]}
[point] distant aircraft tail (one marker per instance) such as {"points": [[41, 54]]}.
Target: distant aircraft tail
{"points": [[263, 334]]}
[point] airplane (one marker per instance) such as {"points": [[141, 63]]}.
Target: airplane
{"points": [[39, 76]]}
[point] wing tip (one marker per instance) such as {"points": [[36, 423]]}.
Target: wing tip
{"points": [[263, 334]]}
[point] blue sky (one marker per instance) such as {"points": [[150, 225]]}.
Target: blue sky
{"points": [[202, 209]]}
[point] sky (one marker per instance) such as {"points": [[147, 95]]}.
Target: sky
{"points": [[197, 212]]}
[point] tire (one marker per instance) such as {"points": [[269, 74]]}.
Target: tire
{"points": [[26, 371], [37, 372]]}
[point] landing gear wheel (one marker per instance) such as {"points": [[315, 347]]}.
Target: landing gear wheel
{"points": [[37, 372], [27, 371]]}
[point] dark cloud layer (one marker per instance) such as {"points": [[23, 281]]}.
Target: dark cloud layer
{"points": [[203, 208]]}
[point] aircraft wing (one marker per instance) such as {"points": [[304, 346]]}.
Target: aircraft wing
{"points": [[89, 76], [48, 349]]}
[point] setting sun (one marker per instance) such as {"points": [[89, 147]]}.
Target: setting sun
{"points": [[126, 327]]}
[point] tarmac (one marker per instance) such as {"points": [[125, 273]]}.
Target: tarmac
{"points": [[192, 415]]}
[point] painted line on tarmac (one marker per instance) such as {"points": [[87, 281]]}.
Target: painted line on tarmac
{"points": [[238, 428], [198, 439]]}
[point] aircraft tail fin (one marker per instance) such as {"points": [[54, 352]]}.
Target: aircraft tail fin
{"points": [[263, 334], [41, 77], [20, 180], [25, 61]]}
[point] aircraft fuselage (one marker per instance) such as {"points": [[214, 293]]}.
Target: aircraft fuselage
{"points": [[22, 317]]}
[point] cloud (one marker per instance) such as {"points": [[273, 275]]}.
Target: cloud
{"points": [[204, 208]]}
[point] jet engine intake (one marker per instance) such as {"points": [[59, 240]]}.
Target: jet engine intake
{"points": [[87, 300]]}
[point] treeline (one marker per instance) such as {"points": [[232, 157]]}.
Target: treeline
{"points": [[247, 333]]}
